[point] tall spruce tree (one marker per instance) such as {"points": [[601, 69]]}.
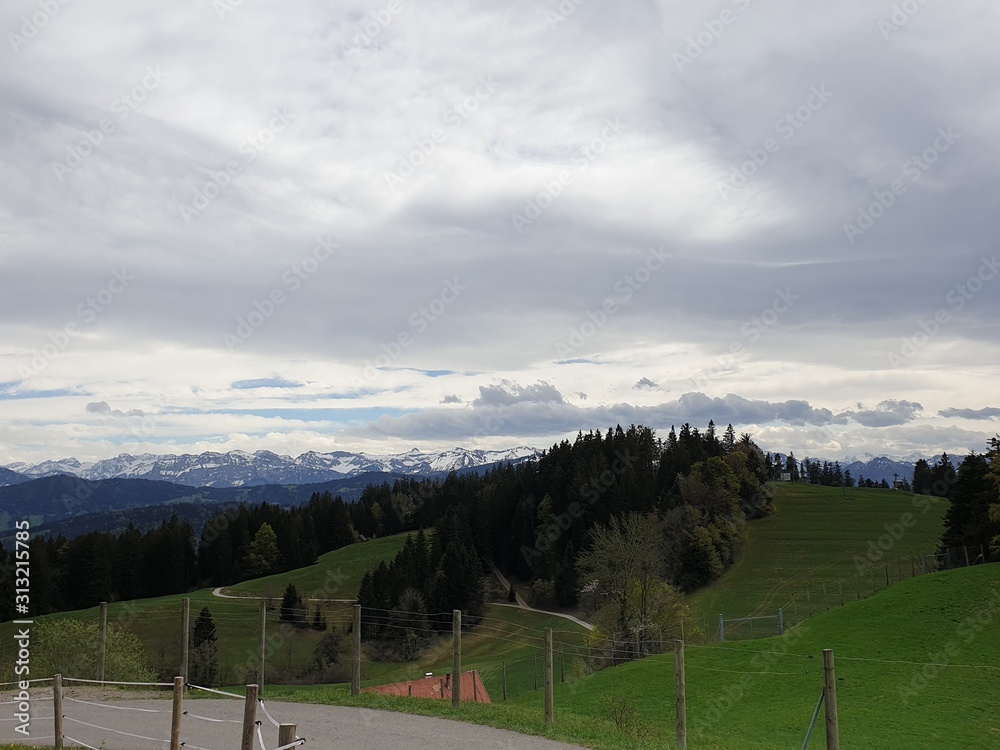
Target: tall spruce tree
{"points": [[292, 610], [205, 651]]}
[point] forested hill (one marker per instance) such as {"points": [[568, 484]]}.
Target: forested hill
{"points": [[533, 520]]}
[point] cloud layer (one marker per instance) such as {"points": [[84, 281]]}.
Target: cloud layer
{"points": [[367, 225]]}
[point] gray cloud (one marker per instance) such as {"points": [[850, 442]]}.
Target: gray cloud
{"points": [[543, 417], [245, 385], [987, 413], [507, 394], [886, 414], [103, 407], [570, 302]]}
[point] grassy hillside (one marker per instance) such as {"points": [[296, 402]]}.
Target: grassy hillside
{"points": [[761, 694], [157, 621], [804, 555], [336, 575], [507, 635], [918, 663], [917, 669]]}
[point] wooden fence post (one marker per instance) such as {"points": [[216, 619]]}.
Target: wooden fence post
{"points": [[549, 686], [185, 636], [456, 658], [286, 734], [249, 718], [102, 642], [681, 690], [356, 666], [830, 693], [57, 710], [177, 714], [261, 644]]}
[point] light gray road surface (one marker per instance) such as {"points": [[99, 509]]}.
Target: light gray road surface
{"points": [[324, 727]]}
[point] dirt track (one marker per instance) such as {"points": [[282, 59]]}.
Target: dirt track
{"points": [[324, 727]]}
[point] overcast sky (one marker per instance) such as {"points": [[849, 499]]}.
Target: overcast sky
{"points": [[374, 226]]}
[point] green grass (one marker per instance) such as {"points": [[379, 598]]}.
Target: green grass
{"points": [[507, 639], [157, 621], [336, 575], [757, 695], [747, 695], [514, 636], [803, 557]]}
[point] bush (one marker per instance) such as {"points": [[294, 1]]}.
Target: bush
{"points": [[69, 647], [543, 593]]}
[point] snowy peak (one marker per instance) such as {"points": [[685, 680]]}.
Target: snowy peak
{"points": [[239, 468]]}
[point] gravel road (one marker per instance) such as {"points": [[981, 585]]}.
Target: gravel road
{"points": [[324, 727]]}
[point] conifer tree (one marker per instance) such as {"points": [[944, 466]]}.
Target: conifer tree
{"points": [[205, 651]]}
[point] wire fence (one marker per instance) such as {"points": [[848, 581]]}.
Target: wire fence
{"points": [[93, 713], [407, 645], [722, 680], [810, 593]]}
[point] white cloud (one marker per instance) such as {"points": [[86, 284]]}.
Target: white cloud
{"points": [[177, 107]]}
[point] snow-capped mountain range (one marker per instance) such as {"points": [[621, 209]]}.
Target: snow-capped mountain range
{"points": [[242, 469]]}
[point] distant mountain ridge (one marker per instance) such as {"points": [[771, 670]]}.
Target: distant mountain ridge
{"points": [[242, 469], [881, 467], [70, 505]]}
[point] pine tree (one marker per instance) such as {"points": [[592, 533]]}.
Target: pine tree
{"points": [[6, 585], [205, 651], [729, 440], [923, 479], [318, 621], [292, 610], [263, 555], [792, 466]]}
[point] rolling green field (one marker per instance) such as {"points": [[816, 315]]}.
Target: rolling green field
{"points": [[157, 621], [918, 662], [802, 557], [335, 575], [507, 635], [917, 668]]}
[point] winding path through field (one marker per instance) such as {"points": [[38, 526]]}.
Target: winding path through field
{"points": [[521, 604], [324, 727]]}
